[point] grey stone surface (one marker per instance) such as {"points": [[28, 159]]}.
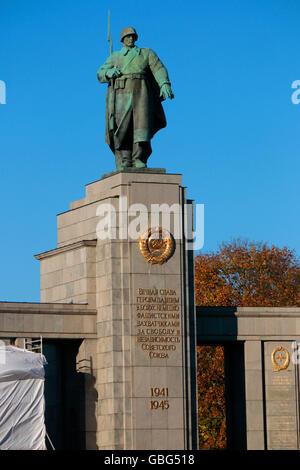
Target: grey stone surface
{"points": [[120, 271], [255, 440], [281, 397], [255, 412], [248, 323], [282, 440], [47, 320], [254, 395], [254, 388]]}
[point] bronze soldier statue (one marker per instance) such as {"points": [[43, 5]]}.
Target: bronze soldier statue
{"points": [[137, 84]]}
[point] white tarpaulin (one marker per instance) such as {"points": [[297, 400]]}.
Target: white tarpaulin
{"points": [[22, 404]]}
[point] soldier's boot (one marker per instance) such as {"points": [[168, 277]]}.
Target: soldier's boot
{"points": [[123, 159], [140, 153]]}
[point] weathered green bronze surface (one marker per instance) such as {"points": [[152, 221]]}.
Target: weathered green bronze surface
{"points": [[137, 83]]}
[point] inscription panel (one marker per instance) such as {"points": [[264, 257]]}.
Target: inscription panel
{"points": [[280, 440], [157, 349], [158, 321], [281, 405]]}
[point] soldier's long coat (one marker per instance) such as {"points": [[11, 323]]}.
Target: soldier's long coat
{"points": [[133, 104]]}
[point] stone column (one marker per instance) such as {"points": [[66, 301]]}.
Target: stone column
{"points": [[146, 319], [254, 396]]}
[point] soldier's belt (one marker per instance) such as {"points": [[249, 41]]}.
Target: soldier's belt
{"points": [[132, 75], [120, 82]]}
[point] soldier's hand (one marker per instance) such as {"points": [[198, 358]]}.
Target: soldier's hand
{"points": [[113, 72], [166, 91]]}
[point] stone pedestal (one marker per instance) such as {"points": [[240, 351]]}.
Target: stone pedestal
{"points": [[145, 355]]}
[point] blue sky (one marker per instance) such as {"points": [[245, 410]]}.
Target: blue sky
{"points": [[233, 131]]}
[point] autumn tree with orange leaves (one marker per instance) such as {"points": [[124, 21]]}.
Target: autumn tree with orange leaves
{"points": [[248, 274], [211, 398], [240, 273]]}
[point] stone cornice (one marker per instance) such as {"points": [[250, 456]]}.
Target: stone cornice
{"points": [[45, 308], [259, 312], [62, 249]]}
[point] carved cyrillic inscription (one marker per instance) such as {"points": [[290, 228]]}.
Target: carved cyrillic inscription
{"points": [[158, 324]]}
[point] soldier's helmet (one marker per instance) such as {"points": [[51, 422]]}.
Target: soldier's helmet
{"points": [[128, 30]]}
